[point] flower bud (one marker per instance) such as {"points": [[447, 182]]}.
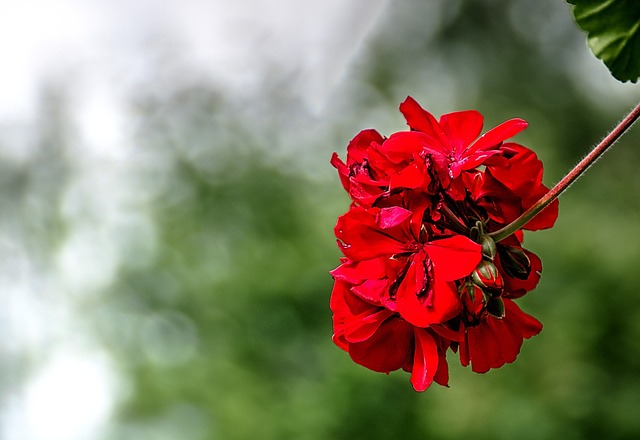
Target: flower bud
{"points": [[495, 307], [488, 247], [487, 276], [514, 262], [473, 300]]}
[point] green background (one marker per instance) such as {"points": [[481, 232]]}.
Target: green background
{"points": [[216, 319]]}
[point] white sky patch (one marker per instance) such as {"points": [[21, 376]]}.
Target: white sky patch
{"points": [[235, 43], [240, 42], [34, 36], [102, 123], [70, 398]]}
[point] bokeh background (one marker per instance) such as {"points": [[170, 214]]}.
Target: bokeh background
{"points": [[167, 205]]}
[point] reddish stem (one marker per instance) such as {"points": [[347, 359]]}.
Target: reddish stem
{"points": [[571, 177]]}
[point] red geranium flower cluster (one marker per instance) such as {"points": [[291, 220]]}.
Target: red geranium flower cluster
{"points": [[421, 273]]}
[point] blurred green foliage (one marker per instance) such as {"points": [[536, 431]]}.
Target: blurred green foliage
{"points": [[223, 330]]}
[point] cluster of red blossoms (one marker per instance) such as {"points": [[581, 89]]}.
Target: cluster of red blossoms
{"points": [[421, 273]]}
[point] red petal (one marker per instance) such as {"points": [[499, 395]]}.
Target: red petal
{"points": [[365, 195], [438, 300], [413, 292], [482, 348], [388, 349], [522, 172], [373, 291], [445, 301], [343, 170], [498, 134], [404, 145], [361, 189], [393, 216], [471, 160], [341, 312], [501, 203], [442, 375], [528, 325], [508, 342], [355, 272], [465, 357], [421, 120], [495, 342], [412, 176], [358, 146], [425, 360], [361, 239], [354, 320], [362, 327], [454, 257], [345, 304], [461, 128], [446, 332]]}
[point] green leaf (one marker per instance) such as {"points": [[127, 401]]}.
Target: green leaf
{"points": [[613, 33]]}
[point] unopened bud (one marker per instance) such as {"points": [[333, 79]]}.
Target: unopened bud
{"points": [[488, 247], [495, 307], [473, 299], [487, 276], [514, 262]]}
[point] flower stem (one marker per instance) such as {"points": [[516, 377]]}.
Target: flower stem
{"points": [[571, 177]]}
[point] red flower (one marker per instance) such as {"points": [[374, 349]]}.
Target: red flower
{"points": [[359, 178], [421, 272], [373, 169], [511, 184], [421, 284], [382, 341], [453, 141]]}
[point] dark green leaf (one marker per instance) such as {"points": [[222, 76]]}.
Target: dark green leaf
{"points": [[613, 33]]}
